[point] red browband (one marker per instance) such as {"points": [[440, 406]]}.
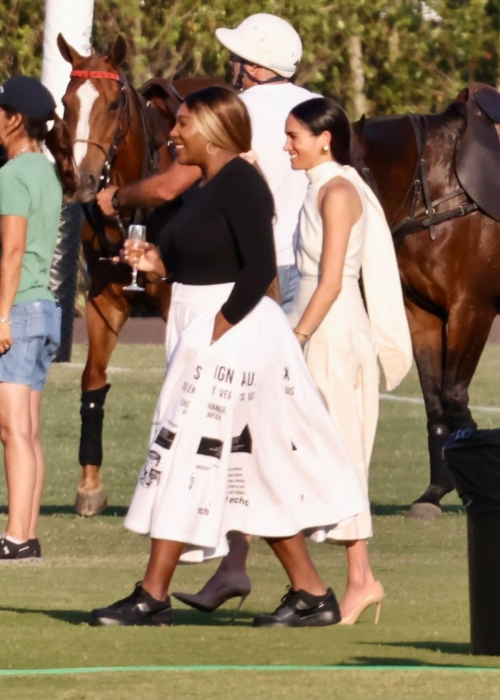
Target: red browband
{"points": [[94, 74]]}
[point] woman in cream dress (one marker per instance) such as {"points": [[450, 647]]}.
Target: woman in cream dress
{"points": [[342, 232]]}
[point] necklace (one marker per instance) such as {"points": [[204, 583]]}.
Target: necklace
{"points": [[26, 149]]}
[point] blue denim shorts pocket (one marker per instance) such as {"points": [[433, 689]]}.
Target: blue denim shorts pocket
{"points": [[36, 330]]}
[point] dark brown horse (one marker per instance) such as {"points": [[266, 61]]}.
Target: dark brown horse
{"points": [[448, 252], [120, 136]]}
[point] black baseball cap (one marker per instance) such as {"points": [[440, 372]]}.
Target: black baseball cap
{"points": [[27, 96]]}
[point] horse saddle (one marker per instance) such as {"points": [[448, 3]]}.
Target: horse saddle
{"points": [[161, 92], [478, 157]]}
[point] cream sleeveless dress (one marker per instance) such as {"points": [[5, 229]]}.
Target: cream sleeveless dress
{"points": [[342, 353]]}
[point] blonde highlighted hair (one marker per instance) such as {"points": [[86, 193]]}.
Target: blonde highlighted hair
{"points": [[221, 118]]}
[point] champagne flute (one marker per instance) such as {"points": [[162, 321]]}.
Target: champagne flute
{"points": [[135, 233]]}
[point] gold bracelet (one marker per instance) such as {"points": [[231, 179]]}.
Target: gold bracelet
{"points": [[304, 335]]}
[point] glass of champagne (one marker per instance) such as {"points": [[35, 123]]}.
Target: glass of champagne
{"points": [[135, 233]]}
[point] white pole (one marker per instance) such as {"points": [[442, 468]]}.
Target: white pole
{"points": [[73, 18]]}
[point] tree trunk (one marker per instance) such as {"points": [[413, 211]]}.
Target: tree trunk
{"points": [[358, 98], [394, 48]]}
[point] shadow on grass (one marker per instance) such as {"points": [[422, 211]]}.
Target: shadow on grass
{"points": [[111, 511], [184, 616], [394, 662], [73, 617], [221, 618], [121, 511], [396, 509], [462, 648]]}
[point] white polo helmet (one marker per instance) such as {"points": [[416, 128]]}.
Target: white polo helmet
{"points": [[267, 41]]}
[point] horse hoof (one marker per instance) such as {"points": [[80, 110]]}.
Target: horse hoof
{"points": [[424, 511], [90, 503]]}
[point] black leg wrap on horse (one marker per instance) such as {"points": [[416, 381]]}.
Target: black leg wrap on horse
{"points": [[441, 484], [437, 435], [92, 413]]}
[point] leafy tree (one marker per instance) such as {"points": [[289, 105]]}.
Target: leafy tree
{"points": [[376, 55], [385, 56], [21, 37]]}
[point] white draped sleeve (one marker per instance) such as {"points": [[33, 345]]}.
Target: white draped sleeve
{"points": [[382, 287]]}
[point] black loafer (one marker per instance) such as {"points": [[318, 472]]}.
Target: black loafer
{"points": [[139, 608], [26, 551], [301, 609]]}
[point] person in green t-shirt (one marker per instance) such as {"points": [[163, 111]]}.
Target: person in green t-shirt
{"points": [[31, 191]]}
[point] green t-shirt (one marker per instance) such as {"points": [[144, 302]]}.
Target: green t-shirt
{"points": [[29, 187]]}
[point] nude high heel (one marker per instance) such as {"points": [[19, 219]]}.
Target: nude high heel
{"points": [[237, 587], [374, 597]]}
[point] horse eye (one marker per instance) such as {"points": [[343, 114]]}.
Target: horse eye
{"points": [[114, 105]]}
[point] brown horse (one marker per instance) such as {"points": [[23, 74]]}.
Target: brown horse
{"points": [[448, 253], [120, 135]]}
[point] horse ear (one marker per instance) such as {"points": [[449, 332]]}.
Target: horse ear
{"points": [[463, 96], [69, 54], [359, 125], [118, 51]]}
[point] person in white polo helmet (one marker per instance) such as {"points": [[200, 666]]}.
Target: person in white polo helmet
{"points": [[265, 52], [264, 41]]}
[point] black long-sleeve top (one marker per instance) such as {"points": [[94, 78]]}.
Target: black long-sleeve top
{"points": [[223, 233]]}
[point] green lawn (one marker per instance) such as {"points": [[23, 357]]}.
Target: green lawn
{"points": [[87, 563]]}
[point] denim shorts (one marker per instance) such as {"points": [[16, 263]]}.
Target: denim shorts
{"points": [[289, 277], [36, 332]]}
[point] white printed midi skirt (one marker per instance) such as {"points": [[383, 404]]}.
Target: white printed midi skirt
{"points": [[241, 441]]}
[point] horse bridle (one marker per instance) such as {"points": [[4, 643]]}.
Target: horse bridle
{"points": [[109, 153], [150, 161]]}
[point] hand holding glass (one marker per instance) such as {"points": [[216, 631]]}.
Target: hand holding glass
{"points": [[135, 233]]}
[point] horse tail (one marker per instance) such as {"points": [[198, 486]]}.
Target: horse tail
{"points": [[58, 141]]}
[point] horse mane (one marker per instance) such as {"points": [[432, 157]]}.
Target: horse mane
{"points": [[455, 109]]}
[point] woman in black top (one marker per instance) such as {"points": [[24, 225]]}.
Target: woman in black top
{"points": [[241, 441], [221, 237]]}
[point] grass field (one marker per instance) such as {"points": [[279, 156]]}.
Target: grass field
{"points": [[87, 563]]}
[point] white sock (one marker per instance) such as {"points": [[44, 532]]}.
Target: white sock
{"points": [[9, 538]]}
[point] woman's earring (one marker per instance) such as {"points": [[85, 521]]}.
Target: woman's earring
{"points": [[325, 149], [210, 153]]}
